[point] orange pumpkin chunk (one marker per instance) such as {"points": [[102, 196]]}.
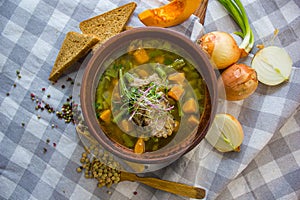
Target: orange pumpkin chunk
{"points": [[190, 106], [171, 14], [177, 77], [141, 56], [139, 146], [176, 92], [193, 121], [105, 115]]}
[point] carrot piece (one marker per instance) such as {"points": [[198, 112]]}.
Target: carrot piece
{"points": [[139, 146], [176, 92], [159, 59], [190, 106], [105, 115], [192, 120], [141, 56], [177, 77]]}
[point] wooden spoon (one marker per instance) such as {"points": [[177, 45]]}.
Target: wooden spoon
{"points": [[201, 11], [168, 186]]}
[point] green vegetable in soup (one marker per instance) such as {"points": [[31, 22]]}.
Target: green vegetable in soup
{"points": [[155, 53], [177, 64], [161, 72], [127, 140]]}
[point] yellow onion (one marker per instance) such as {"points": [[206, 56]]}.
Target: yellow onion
{"points": [[221, 48], [239, 81], [273, 65], [226, 133]]}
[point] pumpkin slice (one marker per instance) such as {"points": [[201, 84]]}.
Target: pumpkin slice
{"points": [[171, 14]]}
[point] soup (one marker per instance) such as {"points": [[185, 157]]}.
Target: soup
{"points": [[147, 96]]}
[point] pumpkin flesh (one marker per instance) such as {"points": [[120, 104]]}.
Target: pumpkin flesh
{"points": [[170, 14]]}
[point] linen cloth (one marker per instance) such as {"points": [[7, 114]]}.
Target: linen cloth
{"points": [[31, 35]]}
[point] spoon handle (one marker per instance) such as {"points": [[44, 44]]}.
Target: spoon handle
{"points": [[168, 186], [201, 11]]}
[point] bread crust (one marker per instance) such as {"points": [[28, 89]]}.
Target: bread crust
{"points": [[74, 47]]}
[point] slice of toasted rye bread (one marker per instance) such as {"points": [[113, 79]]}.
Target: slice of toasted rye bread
{"points": [[74, 47], [109, 23]]}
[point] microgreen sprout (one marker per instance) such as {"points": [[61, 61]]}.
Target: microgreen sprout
{"points": [[145, 102]]}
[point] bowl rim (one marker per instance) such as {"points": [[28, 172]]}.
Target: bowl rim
{"points": [[87, 104]]}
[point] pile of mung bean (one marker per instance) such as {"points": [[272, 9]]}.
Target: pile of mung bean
{"points": [[93, 168]]}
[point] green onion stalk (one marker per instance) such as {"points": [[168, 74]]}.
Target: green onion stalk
{"points": [[237, 11]]}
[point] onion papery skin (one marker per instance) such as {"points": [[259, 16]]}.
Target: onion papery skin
{"points": [[221, 48], [240, 81]]}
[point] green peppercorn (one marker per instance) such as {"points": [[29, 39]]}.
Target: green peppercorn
{"points": [[84, 154], [79, 169], [102, 184], [93, 168], [117, 180]]}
